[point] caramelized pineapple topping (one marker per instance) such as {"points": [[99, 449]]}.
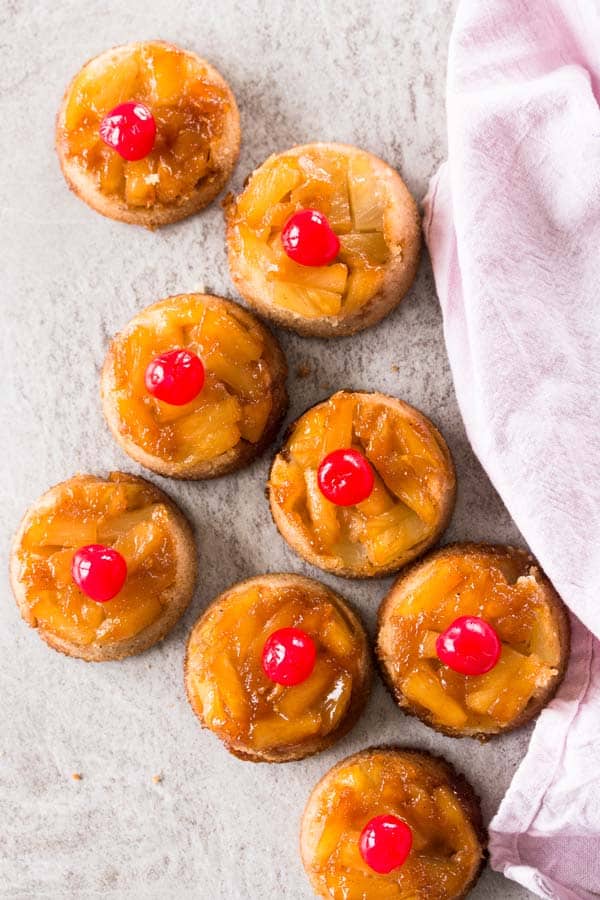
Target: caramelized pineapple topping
{"points": [[413, 476], [189, 109], [119, 513], [446, 851], [229, 689], [347, 191], [233, 406], [470, 585]]}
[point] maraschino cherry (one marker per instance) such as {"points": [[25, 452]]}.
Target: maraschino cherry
{"points": [[175, 377], [308, 238], [345, 477], [99, 571], [289, 656], [469, 646], [385, 843], [129, 129]]}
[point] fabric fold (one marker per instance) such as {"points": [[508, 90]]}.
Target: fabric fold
{"points": [[513, 226]]}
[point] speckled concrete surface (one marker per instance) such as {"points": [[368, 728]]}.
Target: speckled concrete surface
{"points": [[214, 827]]}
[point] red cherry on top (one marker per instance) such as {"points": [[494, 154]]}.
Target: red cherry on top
{"points": [[129, 129], [99, 571], [308, 239], [345, 477], [289, 656], [175, 377], [469, 646], [384, 843]]}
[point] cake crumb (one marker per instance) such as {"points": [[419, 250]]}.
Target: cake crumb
{"points": [[395, 369], [77, 776], [156, 779], [303, 371]]}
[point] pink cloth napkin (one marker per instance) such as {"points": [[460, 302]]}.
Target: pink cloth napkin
{"points": [[513, 226]]}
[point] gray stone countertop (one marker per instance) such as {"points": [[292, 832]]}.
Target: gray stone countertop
{"points": [[370, 74]]}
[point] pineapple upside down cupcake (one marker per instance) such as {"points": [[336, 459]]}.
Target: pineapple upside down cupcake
{"points": [[148, 133], [278, 667], [393, 824], [324, 239], [473, 639], [194, 387], [103, 567], [363, 484]]}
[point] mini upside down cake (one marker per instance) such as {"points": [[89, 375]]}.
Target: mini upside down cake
{"points": [[148, 133], [363, 484], [194, 387], [103, 567], [278, 667], [324, 239], [473, 639], [392, 824]]}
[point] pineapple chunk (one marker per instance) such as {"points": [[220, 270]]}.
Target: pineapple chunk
{"points": [[422, 686], [61, 530], [49, 615], [268, 187], [116, 526], [306, 443], [101, 94], [336, 703], [245, 380], [231, 689], [60, 567], [505, 691], [130, 612], [392, 533], [164, 73], [364, 250], [310, 302], [362, 285], [254, 418], [140, 189], [365, 196], [338, 430], [219, 329], [143, 540], [327, 278], [210, 431], [287, 482], [322, 512], [337, 638], [210, 702], [296, 700], [428, 647], [254, 252], [112, 174], [379, 500], [273, 731]]}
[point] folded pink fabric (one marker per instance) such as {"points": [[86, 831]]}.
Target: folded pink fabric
{"points": [[513, 226]]}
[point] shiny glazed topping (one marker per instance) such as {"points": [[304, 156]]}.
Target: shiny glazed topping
{"points": [[121, 514], [508, 600], [99, 571], [469, 646], [235, 402], [187, 107], [445, 852], [410, 478], [226, 681], [343, 188]]}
